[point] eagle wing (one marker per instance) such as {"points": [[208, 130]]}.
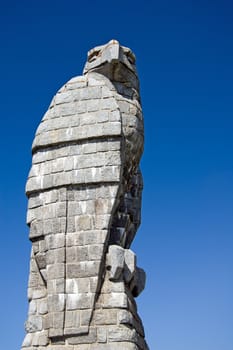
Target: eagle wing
{"points": [[75, 180]]}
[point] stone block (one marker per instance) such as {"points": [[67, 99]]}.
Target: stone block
{"points": [[110, 173], [72, 286], [105, 317], [38, 293], [55, 241], [102, 116], [93, 283], [31, 215], [49, 211], [101, 221], [40, 259], [42, 306], [47, 321], [125, 317], [112, 158], [93, 80], [56, 224], [85, 317], [61, 179], [74, 208], [27, 340], [130, 265], [76, 270], [56, 271], [109, 103], [114, 116], [77, 83], [64, 97], [72, 319], [83, 222], [43, 339], [119, 334], [113, 286], [34, 280], [36, 229], [48, 226], [115, 261], [32, 307], [56, 302], [104, 191], [92, 268], [96, 236], [106, 92], [54, 256], [55, 332], [61, 209], [115, 300], [33, 324], [70, 224], [34, 201], [95, 251], [92, 175], [81, 107], [47, 181], [90, 92], [65, 109], [102, 206], [76, 254], [138, 282], [112, 128], [124, 106], [78, 285], [82, 269], [84, 339], [58, 320], [88, 119], [87, 207], [101, 335], [77, 176], [93, 105], [75, 238], [89, 147], [33, 265], [84, 285]]}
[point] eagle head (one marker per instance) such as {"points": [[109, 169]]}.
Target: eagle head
{"points": [[114, 61]]}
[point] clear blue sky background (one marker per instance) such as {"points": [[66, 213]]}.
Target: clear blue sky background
{"points": [[184, 53]]}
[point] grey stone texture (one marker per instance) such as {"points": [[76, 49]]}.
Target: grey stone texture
{"points": [[84, 200]]}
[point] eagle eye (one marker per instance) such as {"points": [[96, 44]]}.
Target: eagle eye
{"points": [[131, 57], [92, 57]]}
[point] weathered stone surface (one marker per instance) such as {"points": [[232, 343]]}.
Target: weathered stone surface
{"points": [[115, 261], [33, 324], [84, 201], [130, 265], [138, 282]]}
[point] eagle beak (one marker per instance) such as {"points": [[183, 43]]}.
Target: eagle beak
{"points": [[111, 52]]}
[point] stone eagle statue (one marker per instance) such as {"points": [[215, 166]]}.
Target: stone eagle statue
{"points": [[84, 201]]}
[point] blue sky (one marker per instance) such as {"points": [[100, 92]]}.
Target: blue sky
{"points": [[184, 55]]}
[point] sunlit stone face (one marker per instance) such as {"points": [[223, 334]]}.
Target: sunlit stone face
{"points": [[111, 60]]}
